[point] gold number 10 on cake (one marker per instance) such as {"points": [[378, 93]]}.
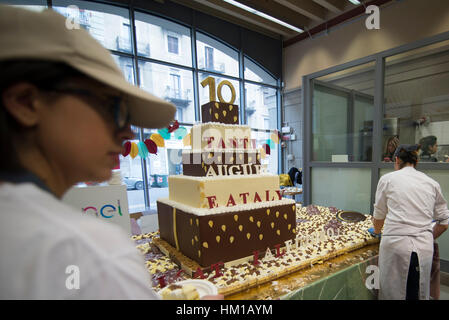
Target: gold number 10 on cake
{"points": [[209, 81]]}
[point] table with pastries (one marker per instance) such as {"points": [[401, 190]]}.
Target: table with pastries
{"points": [[339, 263]]}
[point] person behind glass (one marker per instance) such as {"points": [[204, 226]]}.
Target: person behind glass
{"points": [[390, 148], [407, 203], [429, 147], [65, 110]]}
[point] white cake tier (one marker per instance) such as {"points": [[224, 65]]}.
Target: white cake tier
{"points": [[228, 191], [220, 210], [207, 136]]}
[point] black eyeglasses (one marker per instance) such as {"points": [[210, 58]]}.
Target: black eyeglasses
{"points": [[116, 105]]}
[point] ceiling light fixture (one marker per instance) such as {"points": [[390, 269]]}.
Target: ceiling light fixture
{"points": [[263, 15], [356, 2]]}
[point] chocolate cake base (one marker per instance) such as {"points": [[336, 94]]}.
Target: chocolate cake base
{"points": [[223, 237]]}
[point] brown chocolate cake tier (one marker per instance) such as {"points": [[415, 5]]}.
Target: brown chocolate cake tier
{"points": [[220, 112], [221, 163], [227, 233]]}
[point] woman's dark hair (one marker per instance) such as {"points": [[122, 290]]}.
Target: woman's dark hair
{"points": [[408, 156], [295, 175], [42, 74], [427, 142]]}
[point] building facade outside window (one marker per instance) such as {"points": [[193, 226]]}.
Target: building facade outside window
{"points": [[176, 85], [215, 56], [162, 40], [172, 44], [209, 56], [108, 24], [126, 65], [172, 84], [261, 106]]}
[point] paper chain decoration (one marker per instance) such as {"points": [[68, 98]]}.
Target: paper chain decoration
{"points": [[156, 140]]}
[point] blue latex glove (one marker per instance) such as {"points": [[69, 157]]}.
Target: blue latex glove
{"points": [[375, 235]]}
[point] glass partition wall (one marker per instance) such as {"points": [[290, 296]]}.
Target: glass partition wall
{"points": [[170, 59], [357, 113], [342, 115]]}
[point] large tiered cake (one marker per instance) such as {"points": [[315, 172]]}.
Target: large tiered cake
{"points": [[225, 206]]}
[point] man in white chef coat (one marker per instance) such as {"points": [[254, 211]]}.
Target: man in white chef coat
{"points": [[407, 204]]}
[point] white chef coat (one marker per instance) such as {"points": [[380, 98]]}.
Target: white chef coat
{"points": [[46, 246], [408, 200]]}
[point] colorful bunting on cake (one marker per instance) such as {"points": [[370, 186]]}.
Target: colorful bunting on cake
{"points": [[151, 146], [270, 143], [157, 138], [134, 150], [164, 133], [262, 153], [187, 140], [275, 136], [180, 133], [126, 148], [266, 148], [173, 127], [143, 151]]}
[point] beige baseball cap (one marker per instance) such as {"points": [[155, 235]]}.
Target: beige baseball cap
{"points": [[26, 34]]}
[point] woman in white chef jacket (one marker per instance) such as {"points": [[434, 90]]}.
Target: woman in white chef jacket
{"points": [[407, 203]]}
